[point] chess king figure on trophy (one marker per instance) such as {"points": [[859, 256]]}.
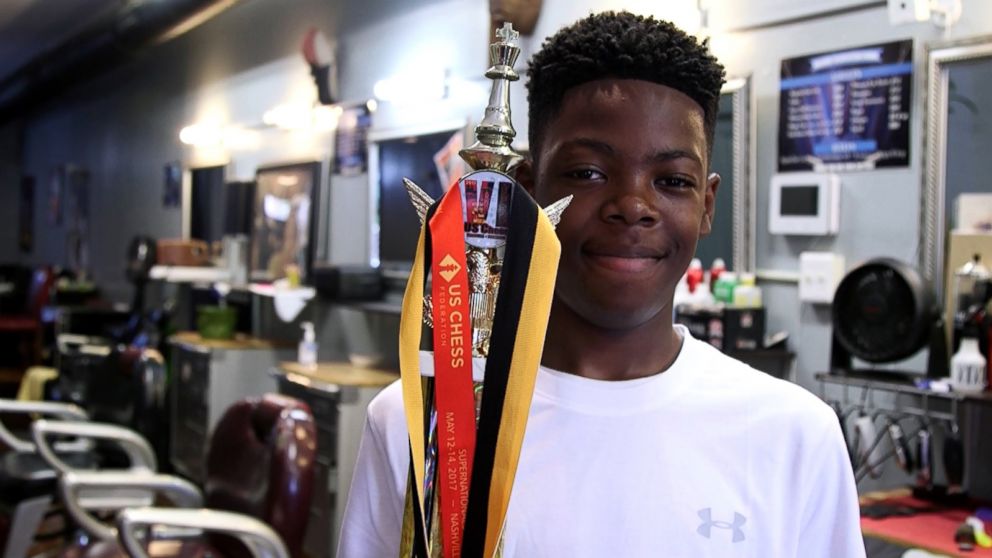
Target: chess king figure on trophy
{"points": [[489, 256]]}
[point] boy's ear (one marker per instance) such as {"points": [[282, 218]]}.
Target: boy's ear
{"points": [[525, 176], [709, 204]]}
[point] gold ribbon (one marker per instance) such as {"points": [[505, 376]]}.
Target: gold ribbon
{"points": [[524, 363]]}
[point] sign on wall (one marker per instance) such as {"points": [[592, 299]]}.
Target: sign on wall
{"points": [[846, 109], [351, 141]]}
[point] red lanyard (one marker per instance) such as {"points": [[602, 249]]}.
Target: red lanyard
{"points": [[452, 368]]}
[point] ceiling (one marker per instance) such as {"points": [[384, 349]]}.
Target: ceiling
{"points": [[29, 27]]}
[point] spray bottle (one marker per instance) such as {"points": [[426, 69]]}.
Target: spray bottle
{"points": [[307, 354]]}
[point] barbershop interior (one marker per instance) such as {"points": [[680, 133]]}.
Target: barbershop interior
{"points": [[210, 241]]}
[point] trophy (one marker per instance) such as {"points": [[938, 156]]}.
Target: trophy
{"points": [[486, 231]]}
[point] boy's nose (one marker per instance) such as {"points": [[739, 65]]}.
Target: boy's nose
{"points": [[632, 205]]}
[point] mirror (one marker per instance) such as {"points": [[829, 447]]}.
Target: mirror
{"points": [[959, 79], [286, 198], [732, 237]]}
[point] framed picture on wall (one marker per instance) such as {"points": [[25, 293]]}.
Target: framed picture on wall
{"points": [[172, 186], [284, 219], [25, 236], [56, 191]]}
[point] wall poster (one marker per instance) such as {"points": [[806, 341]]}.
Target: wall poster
{"points": [[172, 187], [25, 233], [351, 141], [846, 110]]}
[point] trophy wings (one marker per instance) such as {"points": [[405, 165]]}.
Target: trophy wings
{"points": [[422, 201]]}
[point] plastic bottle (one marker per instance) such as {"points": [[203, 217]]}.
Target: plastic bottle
{"points": [[716, 270], [747, 294], [694, 275], [307, 353], [968, 367], [723, 290]]}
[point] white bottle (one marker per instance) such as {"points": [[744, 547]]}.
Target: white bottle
{"points": [[681, 296], [747, 294], [968, 367], [307, 354]]}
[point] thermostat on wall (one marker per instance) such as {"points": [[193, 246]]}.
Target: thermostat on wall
{"points": [[804, 203]]}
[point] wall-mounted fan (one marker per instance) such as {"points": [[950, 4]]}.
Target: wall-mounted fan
{"points": [[884, 311]]}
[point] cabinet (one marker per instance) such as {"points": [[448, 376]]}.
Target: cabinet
{"points": [[338, 394], [208, 376]]}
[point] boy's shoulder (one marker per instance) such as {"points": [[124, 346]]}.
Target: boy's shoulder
{"points": [[385, 413], [732, 381]]}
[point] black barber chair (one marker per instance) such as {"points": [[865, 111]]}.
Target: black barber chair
{"points": [[260, 466], [118, 375], [117, 384]]}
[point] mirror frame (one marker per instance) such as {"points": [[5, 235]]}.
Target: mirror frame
{"points": [[745, 183], [939, 58]]}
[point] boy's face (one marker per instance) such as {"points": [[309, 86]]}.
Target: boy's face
{"points": [[633, 153]]}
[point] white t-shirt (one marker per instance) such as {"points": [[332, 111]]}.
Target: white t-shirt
{"points": [[709, 459]]}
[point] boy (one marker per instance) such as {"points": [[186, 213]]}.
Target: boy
{"points": [[641, 441]]}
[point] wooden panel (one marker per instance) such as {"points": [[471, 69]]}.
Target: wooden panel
{"points": [[341, 374], [240, 341]]}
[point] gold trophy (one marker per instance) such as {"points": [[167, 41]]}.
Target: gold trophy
{"points": [[486, 195], [491, 153]]}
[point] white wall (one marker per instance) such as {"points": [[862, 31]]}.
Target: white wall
{"points": [[880, 210]]}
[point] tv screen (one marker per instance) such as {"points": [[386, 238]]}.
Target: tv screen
{"points": [[413, 158], [800, 201]]}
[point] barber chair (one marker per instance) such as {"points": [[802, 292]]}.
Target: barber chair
{"points": [[27, 482], [26, 326], [30, 470], [260, 465], [142, 329], [116, 384]]}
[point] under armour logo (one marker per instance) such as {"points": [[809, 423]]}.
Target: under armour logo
{"points": [[708, 524]]}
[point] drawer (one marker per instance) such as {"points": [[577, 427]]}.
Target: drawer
{"points": [[192, 387]]}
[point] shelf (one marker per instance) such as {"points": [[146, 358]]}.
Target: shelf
{"points": [[329, 376], [240, 342], [178, 274], [899, 383]]}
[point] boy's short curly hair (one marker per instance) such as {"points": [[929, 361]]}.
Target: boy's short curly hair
{"points": [[621, 46]]}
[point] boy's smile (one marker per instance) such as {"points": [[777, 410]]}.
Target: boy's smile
{"points": [[634, 155]]}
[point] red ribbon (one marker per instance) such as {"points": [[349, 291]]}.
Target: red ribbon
{"points": [[454, 398]]}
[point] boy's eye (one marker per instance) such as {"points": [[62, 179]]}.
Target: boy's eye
{"points": [[675, 182], [585, 174]]}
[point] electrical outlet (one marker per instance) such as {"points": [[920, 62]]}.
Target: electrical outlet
{"points": [[908, 11], [819, 275]]}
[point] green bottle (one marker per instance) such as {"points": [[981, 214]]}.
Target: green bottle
{"points": [[723, 291]]}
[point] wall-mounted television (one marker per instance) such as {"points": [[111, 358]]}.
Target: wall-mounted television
{"points": [[285, 219], [395, 226]]}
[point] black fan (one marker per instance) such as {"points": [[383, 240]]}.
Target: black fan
{"points": [[884, 311]]}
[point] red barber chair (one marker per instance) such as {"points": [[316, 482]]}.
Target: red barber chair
{"points": [[260, 465], [26, 327]]}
